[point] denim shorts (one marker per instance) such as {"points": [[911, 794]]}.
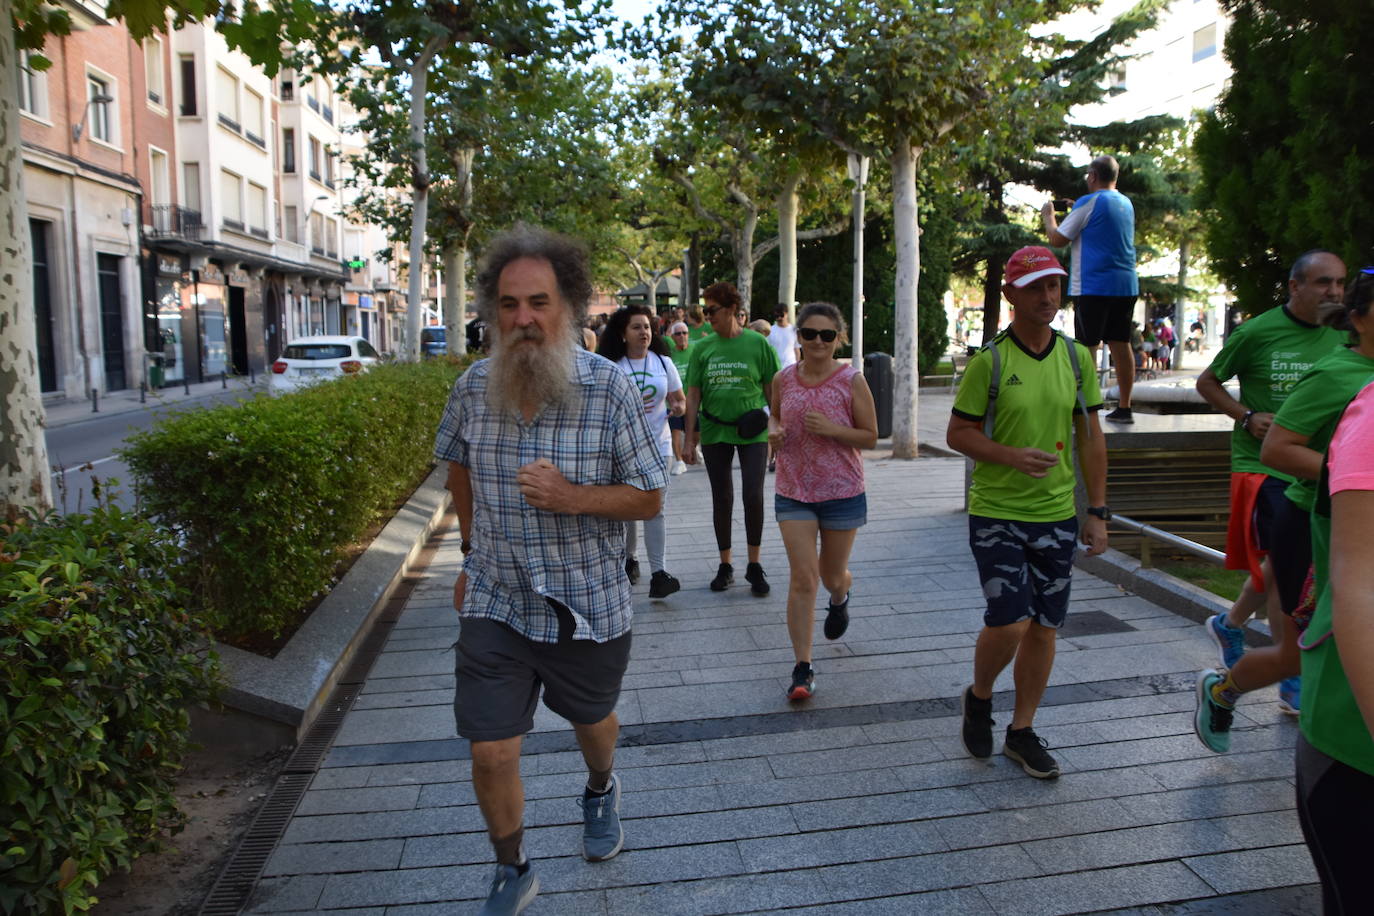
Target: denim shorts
{"points": [[830, 514], [1025, 568]]}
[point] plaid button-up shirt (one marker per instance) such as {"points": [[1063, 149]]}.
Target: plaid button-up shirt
{"points": [[522, 555]]}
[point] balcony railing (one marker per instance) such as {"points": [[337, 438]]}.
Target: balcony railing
{"points": [[235, 224], [255, 139], [172, 222], [230, 123], [258, 231], [316, 249]]}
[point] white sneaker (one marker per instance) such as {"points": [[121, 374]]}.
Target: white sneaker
{"points": [[679, 468]]}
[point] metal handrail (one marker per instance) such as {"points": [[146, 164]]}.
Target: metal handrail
{"points": [[1201, 551]]}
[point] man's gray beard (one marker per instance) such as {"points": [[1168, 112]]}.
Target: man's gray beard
{"points": [[537, 375]]}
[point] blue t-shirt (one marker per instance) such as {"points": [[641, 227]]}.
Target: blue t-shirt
{"points": [[1102, 227]]}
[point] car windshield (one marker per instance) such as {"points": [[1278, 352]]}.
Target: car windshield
{"points": [[433, 335], [318, 351]]}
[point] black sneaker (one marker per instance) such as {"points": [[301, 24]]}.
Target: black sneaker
{"points": [[837, 618], [661, 585], [1028, 749], [758, 583], [978, 724], [632, 570], [725, 577], [803, 682], [1121, 415]]}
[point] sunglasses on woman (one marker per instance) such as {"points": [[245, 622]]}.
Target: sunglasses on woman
{"points": [[826, 334]]}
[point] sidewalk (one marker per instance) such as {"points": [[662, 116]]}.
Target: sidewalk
{"points": [[861, 801], [68, 411]]}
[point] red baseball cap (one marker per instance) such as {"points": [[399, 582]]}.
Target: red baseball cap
{"points": [[1030, 264]]}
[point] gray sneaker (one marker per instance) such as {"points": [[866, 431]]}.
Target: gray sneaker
{"points": [[602, 835], [510, 891]]}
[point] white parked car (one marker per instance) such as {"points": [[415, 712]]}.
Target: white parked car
{"points": [[307, 360]]}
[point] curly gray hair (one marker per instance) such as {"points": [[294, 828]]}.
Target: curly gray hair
{"points": [[567, 257]]}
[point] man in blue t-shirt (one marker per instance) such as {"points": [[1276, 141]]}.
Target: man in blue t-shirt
{"points": [[1102, 277]]}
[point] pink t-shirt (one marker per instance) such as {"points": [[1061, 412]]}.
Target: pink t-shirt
{"points": [[1350, 457], [812, 468]]}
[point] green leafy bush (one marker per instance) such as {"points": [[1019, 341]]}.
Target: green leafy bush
{"points": [[99, 660], [266, 495]]}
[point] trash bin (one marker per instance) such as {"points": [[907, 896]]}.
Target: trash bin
{"points": [[882, 382], [157, 374]]}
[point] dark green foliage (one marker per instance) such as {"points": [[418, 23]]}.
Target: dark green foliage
{"points": [[1287, 158], [265, 496], [99, 660]]}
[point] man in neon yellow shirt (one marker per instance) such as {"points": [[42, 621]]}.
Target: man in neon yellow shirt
{"points": [[1022, 524]]}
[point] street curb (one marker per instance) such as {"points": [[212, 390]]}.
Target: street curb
{"points": [[272, 701], [1183, 598]]}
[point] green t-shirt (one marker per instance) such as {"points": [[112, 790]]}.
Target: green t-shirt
{"points": [[1316, 404], [1268, 354], [1036, 401], [1330, 718], [668, 345], [730, 372], [695, 334], [680, 359]]}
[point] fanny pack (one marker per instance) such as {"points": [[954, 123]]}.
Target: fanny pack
{"points": [[748, 425]]}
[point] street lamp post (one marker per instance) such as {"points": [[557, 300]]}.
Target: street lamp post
{"points": [[858, 173]]}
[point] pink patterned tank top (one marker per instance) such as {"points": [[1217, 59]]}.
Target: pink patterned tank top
{"points": [[812, 468]]}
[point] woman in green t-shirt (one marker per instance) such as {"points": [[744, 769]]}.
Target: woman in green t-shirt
{"points": [[729, 378]]}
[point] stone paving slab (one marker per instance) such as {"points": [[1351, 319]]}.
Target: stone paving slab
{"points": [[864, 802]]}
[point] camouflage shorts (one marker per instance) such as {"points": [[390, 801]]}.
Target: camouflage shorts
{"points": [[1025, 568]]}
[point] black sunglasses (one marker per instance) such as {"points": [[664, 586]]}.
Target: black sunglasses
{"points": [[827, 334]]}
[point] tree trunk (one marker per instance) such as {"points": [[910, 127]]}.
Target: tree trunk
{"points": [[419, 190], [992, 298], [691, 274], [24, 480], [742, 243], [787, 243], [456, 295], [906, 233], [1185, 245]]}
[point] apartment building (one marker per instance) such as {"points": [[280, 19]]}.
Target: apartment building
{"points": [[78, 127], [185, 211]]}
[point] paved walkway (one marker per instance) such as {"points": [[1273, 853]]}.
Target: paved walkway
{"points": [[861, 801]]}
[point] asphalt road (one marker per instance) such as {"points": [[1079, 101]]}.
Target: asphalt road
{"points": [[94, 442]]}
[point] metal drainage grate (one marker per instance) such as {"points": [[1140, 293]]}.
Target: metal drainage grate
{"points": [[236, 882]]}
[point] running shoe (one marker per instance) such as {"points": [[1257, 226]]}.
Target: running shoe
{"points": [[679, 468], [977, 730], [1290, 695], [510, 891], [725, 577], [1230, 640], [758, 582], [1211, 720], [632, 570], [602, 835], [661, 585], [1121, 415], [1027, 748], [837, 618], [803, 682]]}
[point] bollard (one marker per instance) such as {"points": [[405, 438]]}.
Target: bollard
{"points": [[95, 401], [223, 380], [186, 381], [252, 377], [143, 392]]}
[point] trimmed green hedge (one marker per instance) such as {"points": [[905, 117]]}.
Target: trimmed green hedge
{"points": [[265, 496], [99, 660]]}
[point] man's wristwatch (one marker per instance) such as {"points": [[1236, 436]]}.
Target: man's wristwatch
{"points": [[1102, 512], [465, 546], [1245, 420]]}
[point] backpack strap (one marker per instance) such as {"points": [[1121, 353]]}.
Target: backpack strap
{"points": [[1077, 379]]}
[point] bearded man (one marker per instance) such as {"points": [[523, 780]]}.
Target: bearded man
{"points": [[549, 454]]}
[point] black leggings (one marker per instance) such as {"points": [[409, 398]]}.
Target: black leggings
{"points": [[1335, 808], [753, 461]]}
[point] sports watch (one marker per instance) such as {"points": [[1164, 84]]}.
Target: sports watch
{"points": [[1102, 512]]}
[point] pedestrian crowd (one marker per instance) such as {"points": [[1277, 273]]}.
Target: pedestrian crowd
{"points": [[558, 446]]}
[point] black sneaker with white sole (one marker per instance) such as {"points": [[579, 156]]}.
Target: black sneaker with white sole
{"points": [[977, 725], [661, 585], [1030, 750]]}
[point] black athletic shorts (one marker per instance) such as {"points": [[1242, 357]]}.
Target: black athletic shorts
{"points": [[1099, 318], [1290, 551], [499, 675]]}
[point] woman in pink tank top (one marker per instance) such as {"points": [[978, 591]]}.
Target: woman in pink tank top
{"points": [[822, 415]]}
